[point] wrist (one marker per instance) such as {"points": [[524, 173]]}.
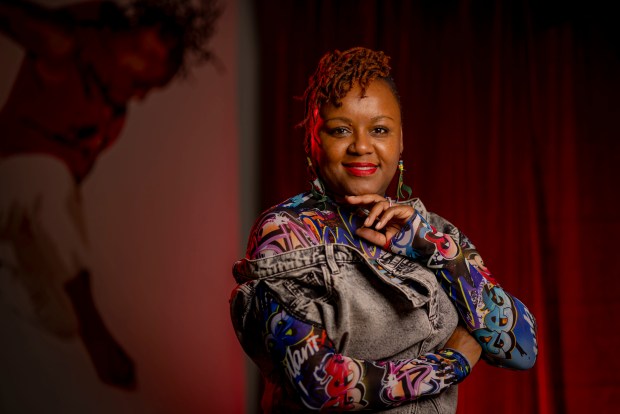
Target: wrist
{"points": [[460, 363], [403, 242]]}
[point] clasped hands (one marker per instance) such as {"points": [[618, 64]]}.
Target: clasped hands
{"points": [[385, 218]]}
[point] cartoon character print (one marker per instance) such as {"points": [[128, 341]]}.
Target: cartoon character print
{"points": [[341, 377], [443, 253], [475, 260], [290, 341], [445, 247], [283, 332], [418, 239]]}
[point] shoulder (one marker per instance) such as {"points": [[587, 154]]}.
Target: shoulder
{"points": [[290, 208], [280, 229]]}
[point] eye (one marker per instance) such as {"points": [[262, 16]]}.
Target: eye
{"points": [[338, 132], [380, 131]]}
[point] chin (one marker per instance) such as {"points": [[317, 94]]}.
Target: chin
{"points": [[363, 191], [354, 186]]}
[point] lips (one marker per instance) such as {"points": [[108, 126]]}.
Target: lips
{"points": [[361, 169]]}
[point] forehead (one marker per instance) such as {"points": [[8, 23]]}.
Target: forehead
{"points": [[378, 99]]}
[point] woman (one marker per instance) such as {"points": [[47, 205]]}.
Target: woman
{"points": [[348, 300]]}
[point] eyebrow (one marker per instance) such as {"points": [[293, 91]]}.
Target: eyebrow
{"points": [[338, 118], [344, 119], [377, 118]]}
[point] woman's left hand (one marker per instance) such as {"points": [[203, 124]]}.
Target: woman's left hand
{"points": [[389, 216]]}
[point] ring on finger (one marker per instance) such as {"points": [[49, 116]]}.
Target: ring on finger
{"points": [[389, 200]]}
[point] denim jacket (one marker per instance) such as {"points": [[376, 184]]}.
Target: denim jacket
{"points": [[390, 310]]}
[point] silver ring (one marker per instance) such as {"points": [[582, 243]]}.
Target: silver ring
{"points": [[389, 200]]}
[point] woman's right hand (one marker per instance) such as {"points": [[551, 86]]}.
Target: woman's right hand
{"points": [[385, 218], [462, 341]]}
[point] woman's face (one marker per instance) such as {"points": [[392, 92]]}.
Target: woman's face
{"points": [[356, 147]]}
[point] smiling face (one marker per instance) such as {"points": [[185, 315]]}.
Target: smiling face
{"points": [[356, 147]]}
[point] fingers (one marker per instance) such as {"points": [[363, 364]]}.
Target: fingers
{"points": [[375, 211], [372, 236], [391, 221], [388, 215], [383, 215]]}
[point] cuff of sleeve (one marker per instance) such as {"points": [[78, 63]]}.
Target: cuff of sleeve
{"points": [[461, 365]]}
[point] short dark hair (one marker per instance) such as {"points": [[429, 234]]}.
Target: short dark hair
{"points": [[337, 73]]}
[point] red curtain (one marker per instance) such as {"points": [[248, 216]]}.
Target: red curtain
{"points": [[509, 115]]}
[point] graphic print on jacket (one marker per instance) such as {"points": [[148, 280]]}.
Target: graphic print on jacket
{"points": [[501, 323], [324, 378]]}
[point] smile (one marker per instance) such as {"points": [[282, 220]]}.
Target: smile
{"points": [[361, 169]]}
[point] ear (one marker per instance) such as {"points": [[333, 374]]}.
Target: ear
{"points": [[402, 147]]}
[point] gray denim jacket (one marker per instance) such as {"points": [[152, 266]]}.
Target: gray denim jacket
{"points": [[399, 312]]}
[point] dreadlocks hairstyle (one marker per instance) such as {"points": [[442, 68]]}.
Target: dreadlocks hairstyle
{"points": [[187, 24], [337, 73]]}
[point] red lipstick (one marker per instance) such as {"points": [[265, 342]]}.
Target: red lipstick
{"points": [[361, 169]]}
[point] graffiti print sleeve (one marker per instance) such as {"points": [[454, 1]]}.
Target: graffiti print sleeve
{"points": [[501, 323], [277, 232], [327, 380]]}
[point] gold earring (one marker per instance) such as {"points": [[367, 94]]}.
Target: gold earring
{"points": [[403, 191]]}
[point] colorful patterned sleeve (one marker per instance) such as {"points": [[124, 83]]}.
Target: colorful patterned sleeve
{"points": [[501, 323], [277, 232], [326, 380]]}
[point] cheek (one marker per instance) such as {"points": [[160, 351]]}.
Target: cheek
{"points": [[327, 151], [391, 154]]}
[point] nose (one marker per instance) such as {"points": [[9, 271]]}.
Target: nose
{"points": [[361, 144]]}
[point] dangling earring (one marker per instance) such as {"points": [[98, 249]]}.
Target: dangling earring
{"points": [[316, 185], [403, 191]]}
